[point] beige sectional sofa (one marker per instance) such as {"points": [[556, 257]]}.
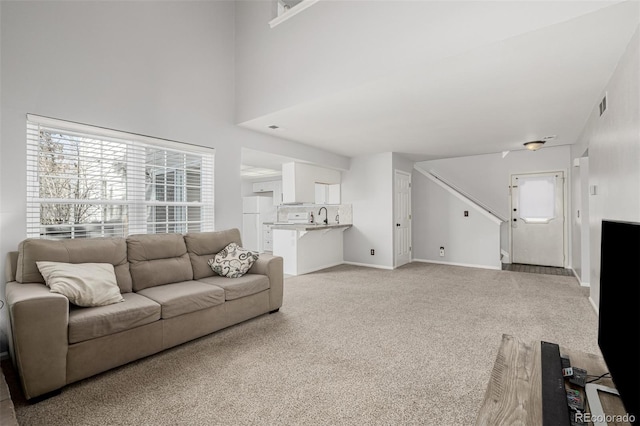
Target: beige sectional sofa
{"points": [[171, 296]]}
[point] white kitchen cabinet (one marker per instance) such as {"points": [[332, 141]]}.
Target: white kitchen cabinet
{"points": [[263, 186], [299, 181], [277, 193], [327, 194], [274, 186], [321, 193], [333, 194], [267, 238]]}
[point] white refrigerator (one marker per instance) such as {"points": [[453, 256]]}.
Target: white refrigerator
{"points": [[256, 210]]}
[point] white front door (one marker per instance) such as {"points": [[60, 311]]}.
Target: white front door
{"points": [[537, 219], [402, 218]]}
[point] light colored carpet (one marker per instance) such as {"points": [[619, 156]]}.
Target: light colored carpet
{"points": [[351, 345]]}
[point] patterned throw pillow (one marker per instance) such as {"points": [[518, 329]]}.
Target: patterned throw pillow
{"points": [[233, 261]]}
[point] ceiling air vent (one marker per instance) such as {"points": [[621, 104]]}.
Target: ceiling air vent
{"points": [[603, 105]]}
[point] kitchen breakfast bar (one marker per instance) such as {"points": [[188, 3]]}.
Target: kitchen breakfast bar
{"points": [[308, 247]]}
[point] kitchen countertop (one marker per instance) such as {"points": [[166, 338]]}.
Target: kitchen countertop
{"points": [[309, 226]]}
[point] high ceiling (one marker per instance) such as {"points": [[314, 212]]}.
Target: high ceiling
{"points": [[490, 98]]}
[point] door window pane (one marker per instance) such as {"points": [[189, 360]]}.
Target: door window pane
{"points": [[537, 198]]}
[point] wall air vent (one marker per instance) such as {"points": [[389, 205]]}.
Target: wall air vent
{"points": [[603, 105]]}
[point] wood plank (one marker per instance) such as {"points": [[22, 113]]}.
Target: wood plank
{"points": [[514, 392], [509, 391]]}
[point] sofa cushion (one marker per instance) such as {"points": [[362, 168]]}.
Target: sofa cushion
{"points": [[235, 288], [158, 259], [202, 246], [84, 284], [185, 297], [90, 323], [90, 250]]}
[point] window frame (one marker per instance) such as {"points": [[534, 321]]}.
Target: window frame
{"points": [[136, 206]]}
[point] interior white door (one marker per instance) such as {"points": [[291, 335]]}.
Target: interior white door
{"points": [[402, 216], [537, 219]]}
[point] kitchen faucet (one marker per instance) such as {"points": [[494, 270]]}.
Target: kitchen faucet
{"points": [[326, 214]]}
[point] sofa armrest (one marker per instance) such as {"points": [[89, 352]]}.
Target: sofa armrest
{"points": [[11, 266], [273, 268], [39, 324]]}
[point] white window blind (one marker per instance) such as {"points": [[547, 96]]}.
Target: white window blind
{"points": [[85, 181]]}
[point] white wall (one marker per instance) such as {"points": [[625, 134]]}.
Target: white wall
{"points": [[439, 221], [579, 222], [299, 181], [368, 187], [613, 140], [247, 188], [402, 163], [337, 45], [486, 177], [163, 69], [585, 231], [575, 220]]}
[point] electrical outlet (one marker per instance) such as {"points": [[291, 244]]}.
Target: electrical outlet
{"points": [[466, 213], [373, 252], [441, 251]]}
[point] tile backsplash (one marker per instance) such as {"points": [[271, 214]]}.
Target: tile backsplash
{"points": [[344, 211]]}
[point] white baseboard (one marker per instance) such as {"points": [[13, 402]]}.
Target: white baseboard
{"points": [[369, 265], [467, 265], [594, 305], [582, 283]]}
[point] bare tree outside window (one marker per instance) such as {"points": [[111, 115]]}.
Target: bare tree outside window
{"points": [[84, 182], [76, 173], [63, 176]]}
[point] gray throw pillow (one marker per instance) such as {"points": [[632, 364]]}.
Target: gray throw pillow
{"points": [[233, 261]]}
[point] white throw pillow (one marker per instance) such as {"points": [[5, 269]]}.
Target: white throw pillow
{"points": [[84, 284], [233, 261]]}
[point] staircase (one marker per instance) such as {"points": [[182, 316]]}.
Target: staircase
{"points": [[472, 233]]}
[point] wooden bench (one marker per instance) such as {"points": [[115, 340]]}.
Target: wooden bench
{"points": [[514, 393]]}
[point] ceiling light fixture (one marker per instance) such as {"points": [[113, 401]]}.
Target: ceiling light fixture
{"points": [[534, 145]]}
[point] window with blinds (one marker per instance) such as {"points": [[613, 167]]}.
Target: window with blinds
{"points": [[85, 181]]}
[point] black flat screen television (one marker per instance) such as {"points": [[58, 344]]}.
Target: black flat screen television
{"points": [[619, 309]]}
